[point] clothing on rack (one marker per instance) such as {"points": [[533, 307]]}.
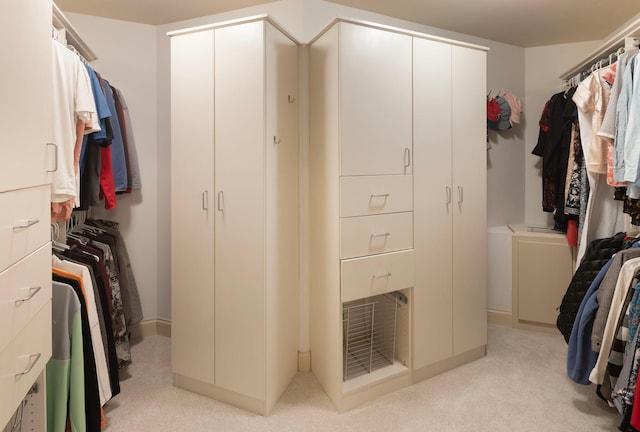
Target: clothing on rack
{"points": [[90, 266], [97, 157]]}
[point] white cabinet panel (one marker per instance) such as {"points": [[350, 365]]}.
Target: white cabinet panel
{"points": [[24, 289], [368, 276], [239, 178], [375, 101], [368, 235], [25, 111], [367, 195], [24, 223], [470, 199], [193, 205]]}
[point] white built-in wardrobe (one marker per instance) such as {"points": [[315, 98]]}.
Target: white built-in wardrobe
{"points": [[234, 219], [398, 208], [397, 173]]}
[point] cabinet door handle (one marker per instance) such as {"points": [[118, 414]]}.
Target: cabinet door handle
{"points": [[374, 277], [205, 200], [447, 197], [26, 224], [32, 292], [407, 157], [220, 201], [276, 140], [33, 359], [380, 235], [460, 194], [55, 157]]}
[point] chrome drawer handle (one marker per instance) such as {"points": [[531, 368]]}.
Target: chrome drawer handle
{"points": [[26, 224], [380, 235], [33, 359], [32, 292], [374, 277]]}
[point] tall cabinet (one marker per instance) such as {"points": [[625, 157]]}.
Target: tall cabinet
{"points": [[25, 251], [234, 218], [398, 207]]}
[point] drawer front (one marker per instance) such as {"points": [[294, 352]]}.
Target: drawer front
{"points": [[24, 223], [23, 360], [368, 235], [368, 276], [368, 195], [24, 288]]}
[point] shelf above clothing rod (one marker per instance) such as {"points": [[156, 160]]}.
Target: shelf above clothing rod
{"points": [[614, 41], [59, 21]]}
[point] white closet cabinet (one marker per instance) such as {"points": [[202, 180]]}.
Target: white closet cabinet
{"points": [[386, 221], [450, 293], [25, 252], [234, 104]]}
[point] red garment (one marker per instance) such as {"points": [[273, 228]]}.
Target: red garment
{"points": [[635, 413], [572, 232], [493, 110], [107, 183]]}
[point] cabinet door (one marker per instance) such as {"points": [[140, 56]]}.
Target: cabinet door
{"points": [[192, 206], [433, 206], [282, 210], [470, 199], [25, 111], [375, 107], [240, 201]]}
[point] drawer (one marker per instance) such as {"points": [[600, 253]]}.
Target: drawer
{"points": [[368, 235], [367, 195], [23, 360], [24, 288], [364, 277], [24, 223]]}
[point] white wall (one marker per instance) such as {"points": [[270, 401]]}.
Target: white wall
{"points": [[127, 59]]}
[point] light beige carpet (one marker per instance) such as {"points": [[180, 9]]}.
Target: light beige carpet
{"points": [[521, 385]]}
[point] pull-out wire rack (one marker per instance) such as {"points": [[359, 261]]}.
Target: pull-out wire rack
{"points": [[369, 334]]}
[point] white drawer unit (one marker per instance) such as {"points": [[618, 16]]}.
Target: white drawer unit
{"points": [[369, 235], [25, 288], [24, 223], [368, 276], [368, 195], [23, 360]]}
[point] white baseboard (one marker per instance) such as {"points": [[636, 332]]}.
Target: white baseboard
{"points": [[151, 327], [502, 318], [304, 361]]}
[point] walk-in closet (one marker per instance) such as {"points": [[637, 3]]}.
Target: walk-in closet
{"points": [[319, 215]]}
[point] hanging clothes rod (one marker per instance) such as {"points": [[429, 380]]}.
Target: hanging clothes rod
{"points": [[59, 21]]}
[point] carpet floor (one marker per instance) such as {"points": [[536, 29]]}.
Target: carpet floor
{"points": [[521, 385]]}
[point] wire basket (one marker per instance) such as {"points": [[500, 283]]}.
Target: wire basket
{"points": [[369, 334]]}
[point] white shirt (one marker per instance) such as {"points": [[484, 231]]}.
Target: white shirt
{"points": [[72, 100]]}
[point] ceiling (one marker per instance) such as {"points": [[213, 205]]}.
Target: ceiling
{"points": [[524, 23]]}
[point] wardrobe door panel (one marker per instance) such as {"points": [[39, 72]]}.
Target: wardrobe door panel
{"points": [[433, 203], [193, 211], [240, 203], [375, 93], [26, 110], [470, 198], [282, 208]]}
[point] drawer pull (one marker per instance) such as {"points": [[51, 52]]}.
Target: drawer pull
{"points": [[380, 235], [26, 224], [388, 275], [32, 292], [380, 196], [33, 359]]}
